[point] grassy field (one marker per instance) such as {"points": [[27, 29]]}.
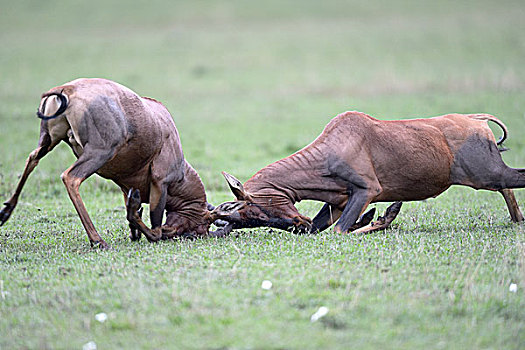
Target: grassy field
{"points": [[249, 83]]}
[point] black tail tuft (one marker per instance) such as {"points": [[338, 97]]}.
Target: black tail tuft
{"points": [[61, 109]]}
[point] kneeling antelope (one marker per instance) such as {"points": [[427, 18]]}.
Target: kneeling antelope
{"points": [[358, 160]]}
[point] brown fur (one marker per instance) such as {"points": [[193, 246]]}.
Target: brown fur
{"points": [[130, 140], [358, 160]]}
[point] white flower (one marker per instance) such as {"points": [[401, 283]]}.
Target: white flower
{"points": [[267, 285], [101, 317], [513, 288], [90, 346], [321, 312]]}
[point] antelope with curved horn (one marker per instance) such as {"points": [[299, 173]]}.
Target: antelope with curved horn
{"points": [[130, 140], [358, 160]]}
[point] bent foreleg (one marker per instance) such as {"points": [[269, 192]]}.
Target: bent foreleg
{"points": [[382, 222], [157, 203], [330, 214], [134, 233], [325, 218], [356, 205], [134, 209]]}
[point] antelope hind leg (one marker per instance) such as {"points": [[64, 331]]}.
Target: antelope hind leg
{"points": [[85, 166], [45, 145], [512, 205], [10, 204]]}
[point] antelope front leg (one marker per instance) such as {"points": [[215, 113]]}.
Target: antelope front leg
{"points": [[133, 206], [134, 233], [364, 220], [330, 214], [157, 203], [301, 224], [382, 222], [356, 205], [222, 231], [325, 218]]}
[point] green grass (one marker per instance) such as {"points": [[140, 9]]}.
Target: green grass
{"points": [[249, 83]]}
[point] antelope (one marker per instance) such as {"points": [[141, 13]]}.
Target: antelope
{"points": [[358, 160], [130, 140]]}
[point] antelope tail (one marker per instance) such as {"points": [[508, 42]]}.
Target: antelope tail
{"points": [[53, 105], [495, 120]]}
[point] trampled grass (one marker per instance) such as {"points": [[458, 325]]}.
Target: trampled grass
{"points": [[248, 84]]}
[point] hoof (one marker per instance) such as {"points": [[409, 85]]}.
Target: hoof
{"points": [[189, 236], [100, 245], [221, 223], [135, 236], [5, 213], [216, 234], [154, 235], [393, 210], [367, 217], [302, 224], [154, 239], [221, 232], [134, 233]]}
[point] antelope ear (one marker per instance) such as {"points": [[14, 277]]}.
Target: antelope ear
{"points": [[227, 209], [236, 187]]}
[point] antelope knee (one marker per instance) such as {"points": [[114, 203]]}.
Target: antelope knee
{"points": [[70, 181], [32, 160], [33, 155]]}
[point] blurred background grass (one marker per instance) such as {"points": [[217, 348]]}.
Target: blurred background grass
{"points": [[249, 83]]}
